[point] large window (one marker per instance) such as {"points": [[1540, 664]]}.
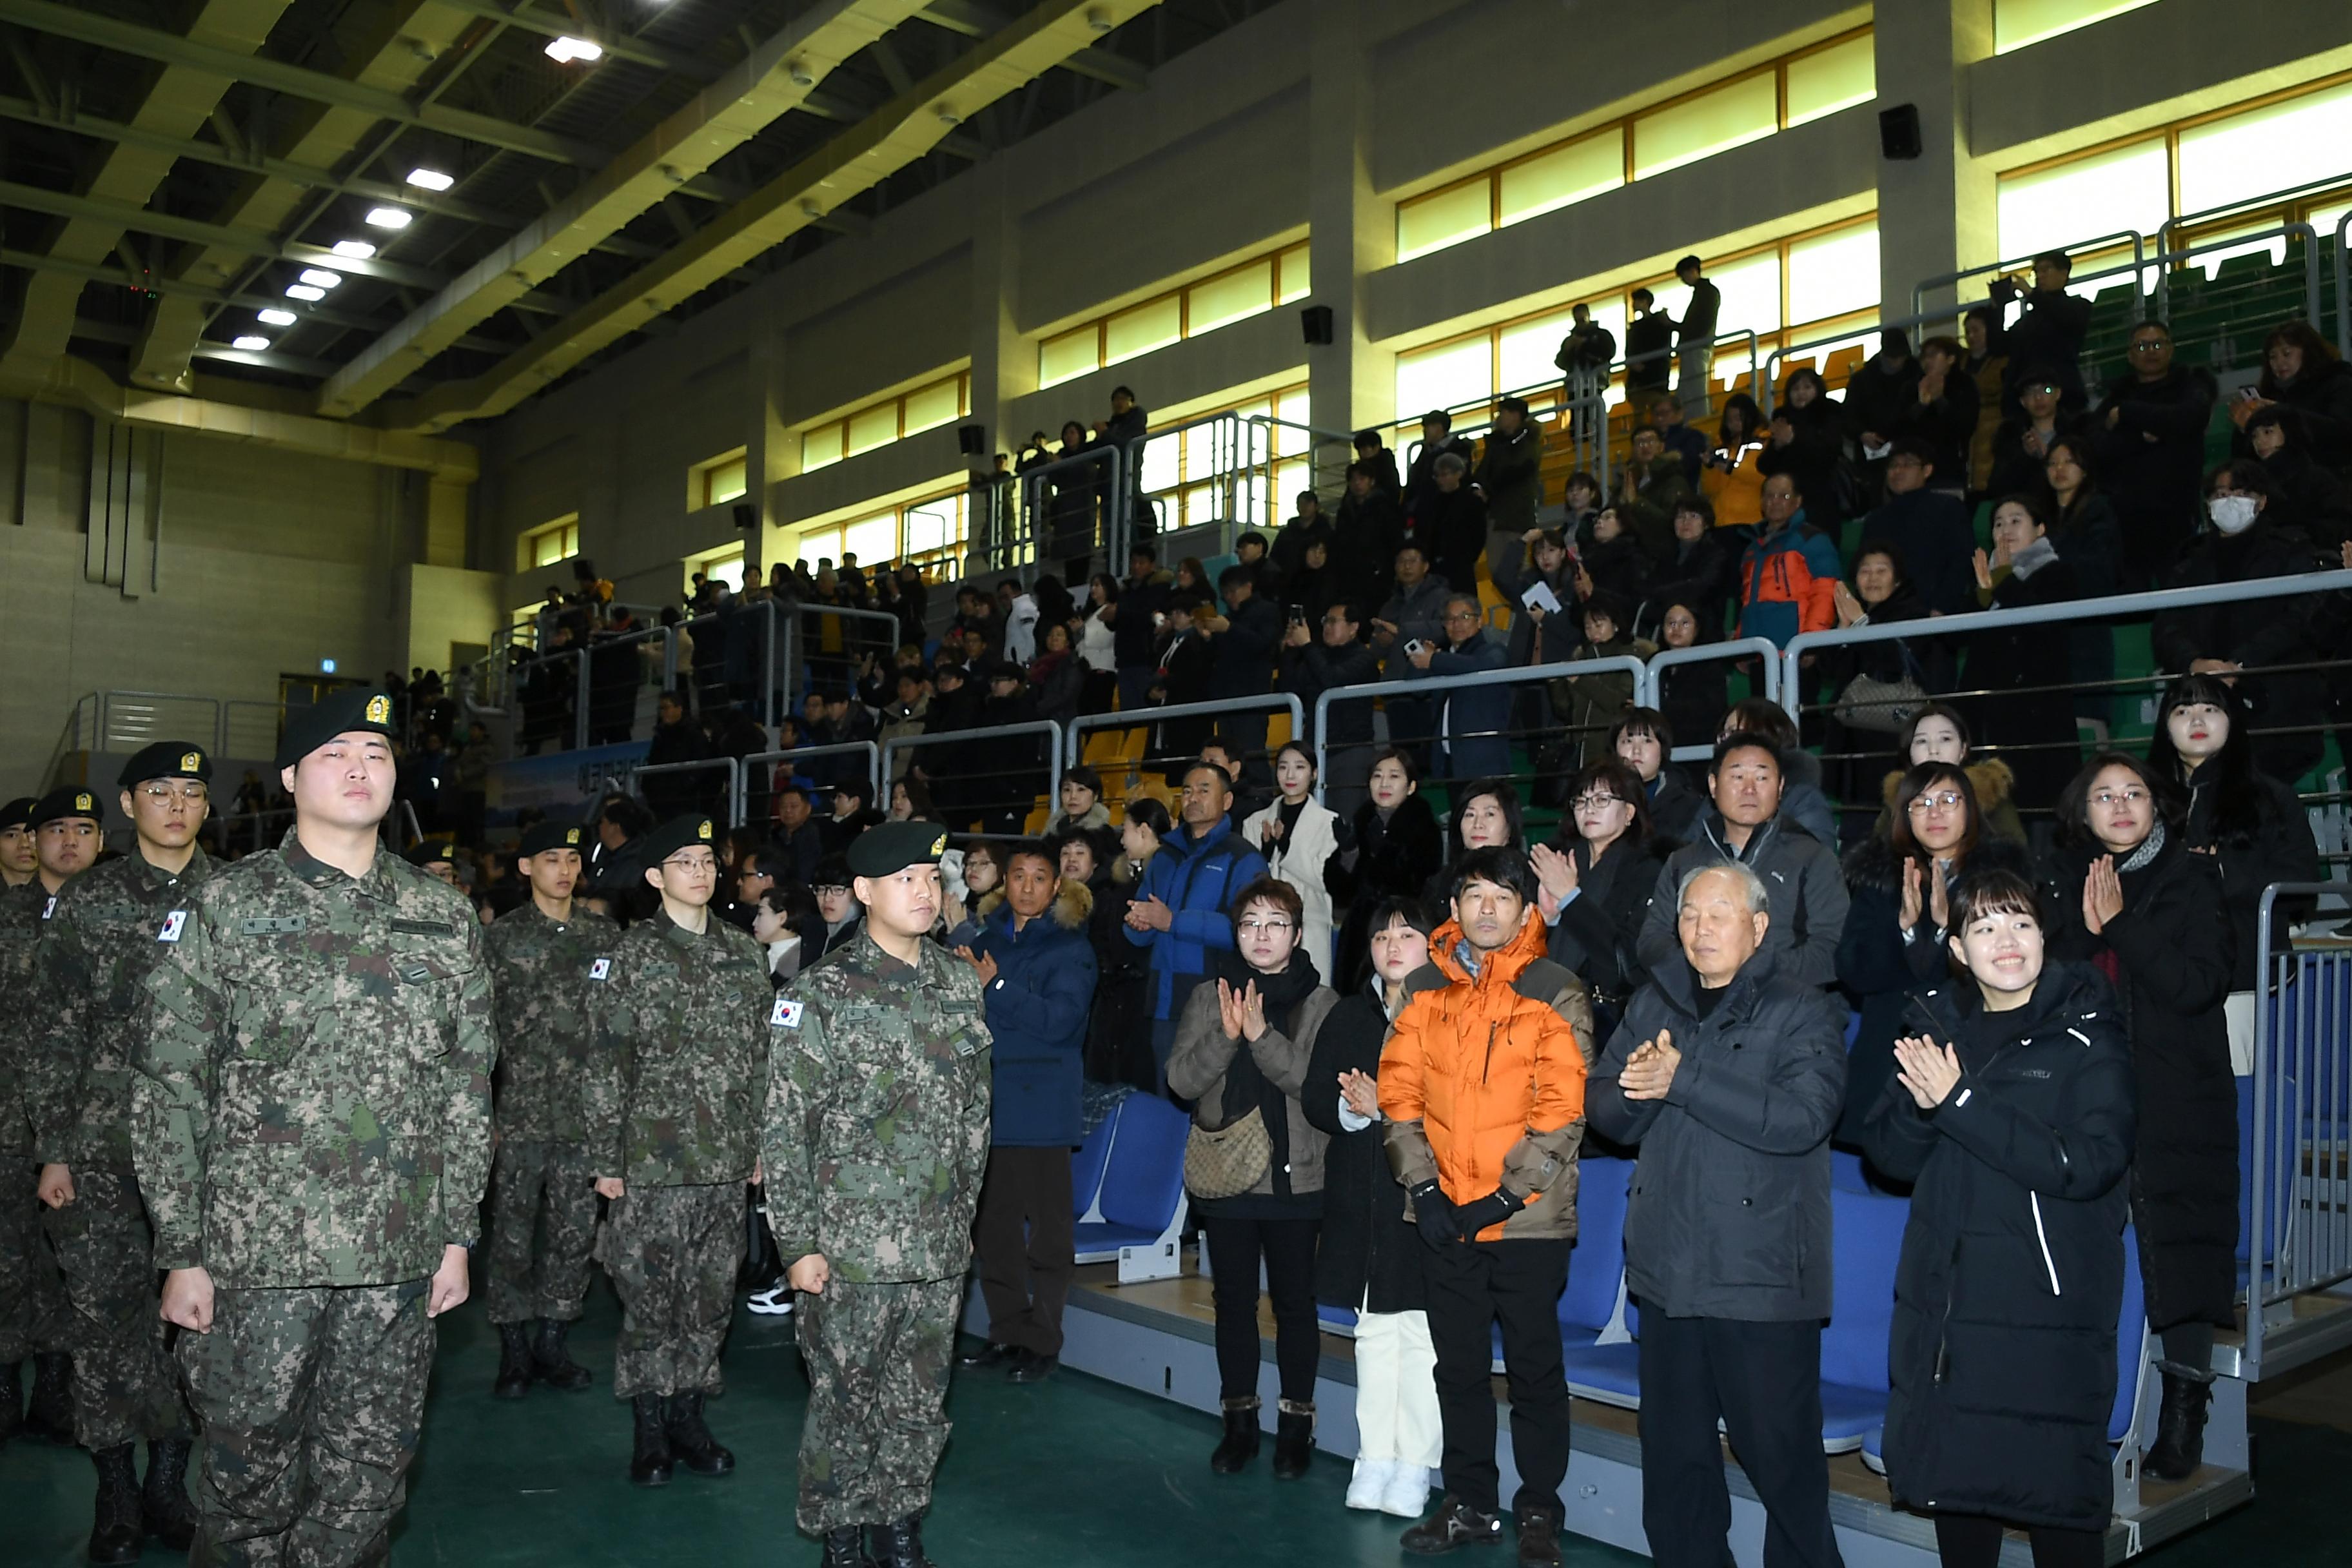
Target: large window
{"points": [[1210, 471], [724, 565], [1790, 291], [942, 402], [2017, 23], [930, 530], [549, 544], [1802, 86], [723, 478], [1252, 289]]}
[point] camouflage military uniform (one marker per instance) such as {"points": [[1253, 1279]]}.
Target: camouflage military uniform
{"points": [[96, 948], [876, 1139], [33, 1311], [544, 970], [310, 1125], [683, 1052]]}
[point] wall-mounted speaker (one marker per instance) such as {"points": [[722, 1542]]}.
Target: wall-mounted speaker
{"points": [[746, 516], [1898, 131], [1314, 323], [972, 440]]}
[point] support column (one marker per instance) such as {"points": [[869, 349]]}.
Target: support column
{"points": [[771, 450], [444, 523], [1350, 382], [1935, 212], [1003, 367]]}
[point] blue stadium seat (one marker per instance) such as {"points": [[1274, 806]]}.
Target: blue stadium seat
{"points": [[1609, 1373], [1595, 1318], [1868, 1237], [1087, 1167], [1142, 1195], [1340, 1320], [1846, 1174]]}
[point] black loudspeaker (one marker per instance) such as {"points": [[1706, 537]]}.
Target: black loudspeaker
{"points": [[972, 440], [746, 515], [1898, 131], [1315, 322]]}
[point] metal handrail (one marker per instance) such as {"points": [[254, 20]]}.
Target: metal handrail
{"points": [[1263, 468], [1047, 727], [1033, 482], [1773, 360], [1144, 718], [2343, 286], [2111, 607], [734, 812], [1523, 674], [2251, 204], [1650, 688], [1226, 469], [872, 751], [2284, 231], [2085, 246]]}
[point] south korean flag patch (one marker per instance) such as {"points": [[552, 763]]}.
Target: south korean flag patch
{"points": [[784, 1015], [602, 969], [173, 924]]}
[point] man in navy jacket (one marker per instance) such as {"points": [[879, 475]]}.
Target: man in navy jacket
{"points": [[1473, 719], [1036, 968], [1183, 909]]}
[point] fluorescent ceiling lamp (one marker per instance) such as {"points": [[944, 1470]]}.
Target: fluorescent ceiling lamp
{"points": [[567, 49], [304, 292], [390, 217], [277, 318], [320, 278], [250, 343], [431, 179], [357, 250]]}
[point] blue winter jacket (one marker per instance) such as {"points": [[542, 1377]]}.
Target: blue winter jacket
{"points": [[1197, 880], [1037, 1009], [1472, 720]]}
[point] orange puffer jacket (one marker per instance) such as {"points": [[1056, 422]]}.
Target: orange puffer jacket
{"points": [[1483, 1081]]}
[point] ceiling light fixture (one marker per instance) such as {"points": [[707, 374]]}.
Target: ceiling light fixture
{"points": [[357, 250], [798, 69], [1098, 18], [948, 116], [277, 318], [566, 49], [431, 179], [250, 343], [320, 278], [390, 217], [304, 292]]}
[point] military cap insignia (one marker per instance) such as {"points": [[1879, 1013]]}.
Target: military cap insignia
{"points": [[940, 844], [571, 836], [602, 969], [379, 710], [85, 802], [173, 924], [785, 1014], [703, 832], [191, 761]]}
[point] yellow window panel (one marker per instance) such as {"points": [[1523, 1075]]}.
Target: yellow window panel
{"points": [[1739, 112]]}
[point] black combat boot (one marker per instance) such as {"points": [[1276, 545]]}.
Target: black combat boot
{"points": [[514, 1361], [1294, 1437], [553, 1365], [846, 1548], [51, 1416], [115, 1535], [899, 1544], [691, 1441], [650, 1465], [1239, 1446], [2179, 1429], [163, 1505], [12, 1404]]}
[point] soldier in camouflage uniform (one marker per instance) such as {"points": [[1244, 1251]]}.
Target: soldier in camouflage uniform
{"points": [[545, 957], [680, 1040], [311, 1130], [96, 948], [34, 1315], [17, 856], [875, 1142]]}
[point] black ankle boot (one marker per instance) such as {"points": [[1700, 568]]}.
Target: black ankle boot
{"points": [[114, 1534], [899, 1544], [1240, 1443], [552, 1363], [691, 1441], [1294, 1437], [51, 1416], [649, 1465], [165, 1512], [12, 1404], [846, 1548], [514, 1362], [2179, 1429]]}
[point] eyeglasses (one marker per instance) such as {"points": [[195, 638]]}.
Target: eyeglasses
{"points": [[1596, 802], [1942, 800], [2147, 346], [165, 795], [821, 891], [2123, 797], [1261, 928], [692, 863], [1463, 615]]}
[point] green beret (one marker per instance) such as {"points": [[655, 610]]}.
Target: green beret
{"points": [[166, 760], [359, 707], [74, 800], [432, 851], [688, 832], [895, 845], [17, 813], [541, 836]]}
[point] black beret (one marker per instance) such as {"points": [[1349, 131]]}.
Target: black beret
{"points": [[432, 850], [166, 760], [678, 833], [895, 845], [541, 836], [74, 800], [339, 713], [17, 813]]}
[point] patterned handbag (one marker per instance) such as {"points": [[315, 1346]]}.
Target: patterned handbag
{"points": [[1229, 1160]]}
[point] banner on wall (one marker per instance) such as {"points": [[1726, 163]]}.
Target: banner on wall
{"points": [[563, 781]]}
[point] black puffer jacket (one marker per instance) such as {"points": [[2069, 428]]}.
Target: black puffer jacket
{"points": [[2173, 954], [1596, 932], [1378, 860], [1366, 1254], [2254, 632], [2278, 848], [2003, 1352]]}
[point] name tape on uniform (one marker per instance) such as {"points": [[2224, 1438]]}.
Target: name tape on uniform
{"points": [[786, 1014], [173, 924]]}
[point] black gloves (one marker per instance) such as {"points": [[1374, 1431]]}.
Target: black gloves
{"points": [[1433, 1212], [1493, 1209]]}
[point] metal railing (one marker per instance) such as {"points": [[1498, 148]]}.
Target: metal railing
{"points": [[1651, 688], [1768, 388], [1228, 465], [2257, 204], [732, 799], [1103, 470], [2166, 260], [2080, 248], [2297, 1209], [1145, 718], [1267, 460], [871, 750], [963, 810], [2343, 287]]}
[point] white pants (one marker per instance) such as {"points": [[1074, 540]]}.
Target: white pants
{"points": [[2238, 1013], [1396, 1389]]}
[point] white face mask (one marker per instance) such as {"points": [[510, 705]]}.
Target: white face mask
{"points": [[2232, 514]]}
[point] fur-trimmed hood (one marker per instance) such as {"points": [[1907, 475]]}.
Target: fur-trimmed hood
{"points": [[1070, 909], [1873, 863], [1990, 778]]}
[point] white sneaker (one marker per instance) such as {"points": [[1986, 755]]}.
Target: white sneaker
{"points": [[1371, 1483], [1407, 1493], [775, 1301]]}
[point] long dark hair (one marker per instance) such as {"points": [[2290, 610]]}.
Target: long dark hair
{"points": [[1506, 796], [1916, 781], [1624, 784], [2074, 800], [2229, 772]]}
